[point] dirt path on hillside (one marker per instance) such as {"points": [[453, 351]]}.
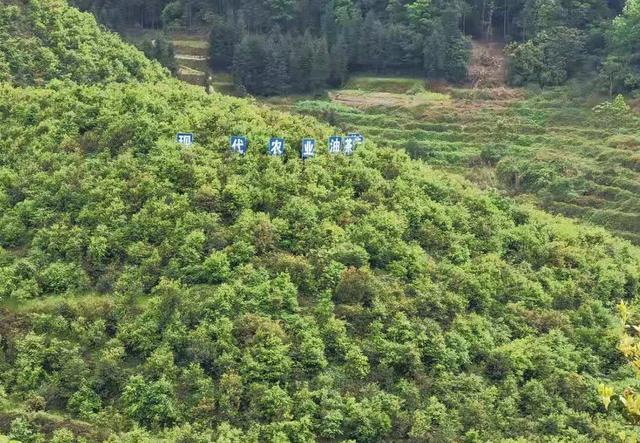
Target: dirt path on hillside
{"points": [[190, 57], [488, 66]]}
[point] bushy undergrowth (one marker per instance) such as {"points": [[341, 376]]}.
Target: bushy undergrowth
{"points": [[344, 298], [46, 39]]}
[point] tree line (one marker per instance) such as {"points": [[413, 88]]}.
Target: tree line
{"points": [[306, 46], [548, 41]]}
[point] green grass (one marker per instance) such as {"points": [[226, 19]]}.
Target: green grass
{"points": [[222, 77], [431, 96], [185, 70], [195, 44], [384, 84]]}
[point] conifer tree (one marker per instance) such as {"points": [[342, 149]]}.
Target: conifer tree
{"points": [[320, 66], [249, 63], [338, 62], [224, 36], [276, 76], [370, 54], [302, 62]]}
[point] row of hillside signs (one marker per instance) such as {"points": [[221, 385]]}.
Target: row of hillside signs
{"points": [[276, 146]]}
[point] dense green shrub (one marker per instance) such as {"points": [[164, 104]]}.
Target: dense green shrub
{"points": [[272, 285], [549, 59], [45, 40]]}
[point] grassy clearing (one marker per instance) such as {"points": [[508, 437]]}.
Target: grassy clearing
{"points": [[397, 85], [195, 44], [223, 82], [185, 70], [222, 77], [548, 145], [365, 99]]}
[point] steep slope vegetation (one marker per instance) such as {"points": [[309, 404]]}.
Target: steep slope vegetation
{"points": [[45, 39], [152, 292], [550, 146]]}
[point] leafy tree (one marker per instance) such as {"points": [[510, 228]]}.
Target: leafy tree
{"points": [[613, 114], [161, 49], [85, 403], [62, 436], [420, 14], [151, 404], [549, 59], [281, 11], [23, 431]]}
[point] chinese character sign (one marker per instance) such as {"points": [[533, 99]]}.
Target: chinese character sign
{"points": [[349, 145], [238, 144], [335, 145], [308, 148], [184, 138], [359, 138], [276, 147]]}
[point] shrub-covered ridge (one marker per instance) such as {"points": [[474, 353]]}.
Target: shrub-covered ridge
{"points": [[152, 292], [350, 298], [41, 40]]}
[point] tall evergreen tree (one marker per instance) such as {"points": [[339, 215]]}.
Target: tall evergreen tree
{"points": [[249, 63], [224, 36], [435, 48], [301, 62], [319, 66], [338, 62], [276, 76], [372, 44]]}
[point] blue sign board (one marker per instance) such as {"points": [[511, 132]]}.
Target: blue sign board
{"points": [[308, 149], [238, 144], [184, 138], [359, 137], [349, 145], [335, 145], [276, 147]]}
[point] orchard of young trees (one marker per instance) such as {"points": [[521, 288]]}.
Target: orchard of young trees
{"points": [[152, 292]]}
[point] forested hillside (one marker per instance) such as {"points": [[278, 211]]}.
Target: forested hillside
{"points": [[275, 47], [155, 292]]}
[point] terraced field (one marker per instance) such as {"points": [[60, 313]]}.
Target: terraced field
{"points": [[192, 57], [549, 147]]}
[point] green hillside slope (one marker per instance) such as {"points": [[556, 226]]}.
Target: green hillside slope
{"points": [[152, 292], [45, 39], [549, 146]]}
